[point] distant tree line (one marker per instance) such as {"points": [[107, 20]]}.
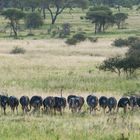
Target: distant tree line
{"points": [[116, 3], [45, 4], [54, 7], [99, 12]]}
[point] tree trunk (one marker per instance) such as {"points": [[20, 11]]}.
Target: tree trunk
{"points": [[53, 20], [103, 27], [119, 9], [99, 27], [118, 25], [44, 13], [15, 33], [30, 31], [14, 28], [119, 72], [33, 9], [95, 28], [58, 11]]}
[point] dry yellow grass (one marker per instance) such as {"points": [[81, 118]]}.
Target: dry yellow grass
{"points": [[49, 56]]}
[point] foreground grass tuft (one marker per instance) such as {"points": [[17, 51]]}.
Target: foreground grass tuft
{"points": [[17, 50]]}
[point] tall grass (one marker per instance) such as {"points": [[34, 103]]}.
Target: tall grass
{"points": [[48, 66], [71, 127]]}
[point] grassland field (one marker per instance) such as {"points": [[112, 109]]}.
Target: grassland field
{"points": [[49, 64]]}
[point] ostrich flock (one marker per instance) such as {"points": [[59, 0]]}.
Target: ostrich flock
{"points": [[51, 104]]}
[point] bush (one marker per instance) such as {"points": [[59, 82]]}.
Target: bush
{"points": [[134, 51], [128, 64], [54, 33], [76, 38], [120, 42], [92, 39], [80, 36], [82, 17], [126, 42], [132, 39], [33, 21], [71, 41], [17, 50], [30, 34], [65, 31]]}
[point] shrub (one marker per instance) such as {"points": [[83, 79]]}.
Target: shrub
{"points": [[126, 42], [113, 64], [30, 34], [17, 50], [82, 17], [65, 31], [76, 38], [120, 42], [80, 36], [132, 39], [54, 33], [71, 41], [128, 65], [33, 21], [93, 39], [134, 51]]}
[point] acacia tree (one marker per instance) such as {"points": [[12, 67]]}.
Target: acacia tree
{"points": [[31, 4], [13, 3], [119, 19], [101, 16], [56, 7], [33, 20], [113, 64], [13, 15], [128, 64]]}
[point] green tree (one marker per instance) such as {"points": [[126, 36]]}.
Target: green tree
{"points": [[101, 16], [13, 15], [128, 64], [119, 19], [134, 51], [113, 64], [56, 7], [32, 4], [33, 20]]}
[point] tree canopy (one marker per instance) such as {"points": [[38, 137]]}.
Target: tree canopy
{"points": [[119, 19], [33, 20], [128, 64], [101, 16], [56, 7], [13, 15]]}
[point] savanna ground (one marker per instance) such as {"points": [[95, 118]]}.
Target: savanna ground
{"points": [[48, 65]]}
